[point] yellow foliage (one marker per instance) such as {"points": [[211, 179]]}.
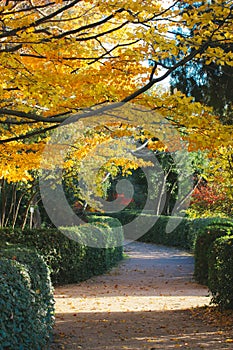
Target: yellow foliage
{"points": [[58, 59]]}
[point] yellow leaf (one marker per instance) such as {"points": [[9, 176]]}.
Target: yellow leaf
{"points": [[229, 340]]}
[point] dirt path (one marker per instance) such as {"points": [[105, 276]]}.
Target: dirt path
{"points": [[144, 303]]}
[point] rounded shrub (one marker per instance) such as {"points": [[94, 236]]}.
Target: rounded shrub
{"points": [[220, 279], [68, 258], [26, 301], [204, 241], [106, 233]]}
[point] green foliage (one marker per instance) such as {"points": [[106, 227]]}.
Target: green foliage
{"points": [[124, 216], [179, 237], [165, 176], [220, 280], [204, 242], [185, 230], [210, 84], [104, 232], [69, 260], [26, 300], [199, 224]]}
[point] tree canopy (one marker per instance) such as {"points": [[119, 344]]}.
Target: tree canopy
{"points": [[84, 58]]}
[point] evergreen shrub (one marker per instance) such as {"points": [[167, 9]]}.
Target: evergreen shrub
{"points": [[68, 259], [220, 276], [205, 239], [26, 300]]}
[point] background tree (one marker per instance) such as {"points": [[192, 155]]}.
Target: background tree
{"points": [[211, 84], [62, 57], [85, 58]]}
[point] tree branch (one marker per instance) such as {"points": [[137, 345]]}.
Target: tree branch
{"points": [[88, 26], [40, 20], [30, 134]]}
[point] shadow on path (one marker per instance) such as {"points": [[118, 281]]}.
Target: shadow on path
{"points": [[138, 330], [144, 303]]}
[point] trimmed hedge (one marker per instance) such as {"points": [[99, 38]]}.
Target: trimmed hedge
{"points": [[198, 225], [69, 260], [26, 300], [184, 234], [157, 233], [178, 237], [204, 242], [220, 278], [105, 233]]}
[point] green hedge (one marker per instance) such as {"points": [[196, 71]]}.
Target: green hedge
{"points": [[220, 279], [184, 234], [157, 232], [178, 237], [185, 231], [68, 260], [205, 239], [106, 233], [26, 300], [125, 216], [198, 225]]}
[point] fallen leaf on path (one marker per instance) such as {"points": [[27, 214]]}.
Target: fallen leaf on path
{"points": [[229, 340]]}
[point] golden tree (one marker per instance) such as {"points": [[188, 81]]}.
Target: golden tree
{"points": [[85, 58]]}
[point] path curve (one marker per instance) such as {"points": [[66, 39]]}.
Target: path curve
{"points": [[143, 303]]}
